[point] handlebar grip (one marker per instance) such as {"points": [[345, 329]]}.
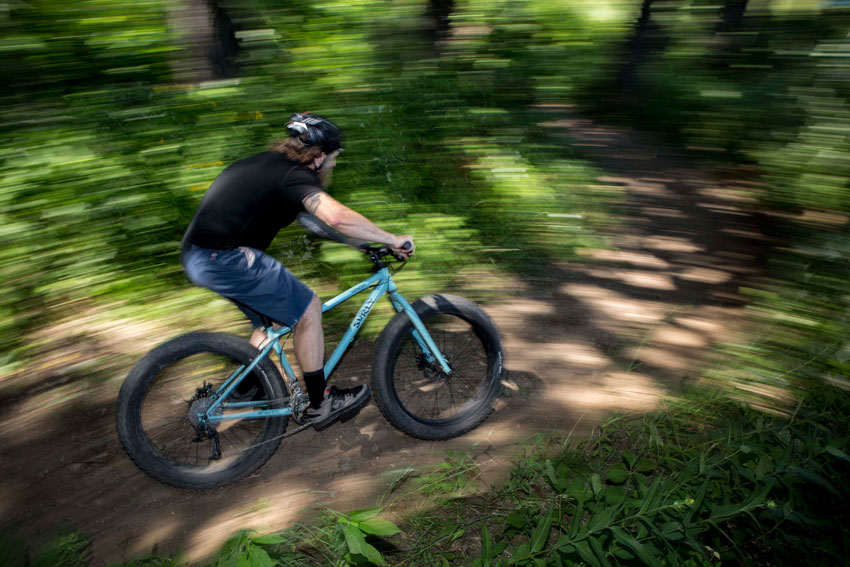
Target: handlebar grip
{"points": [[406, 246]]}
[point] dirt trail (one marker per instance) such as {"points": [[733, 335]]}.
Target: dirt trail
{"points": [[615, 333]]}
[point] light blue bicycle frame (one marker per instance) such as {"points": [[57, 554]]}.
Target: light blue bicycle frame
{"points": [[383, 283]]}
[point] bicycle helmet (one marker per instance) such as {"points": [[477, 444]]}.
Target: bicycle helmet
{"points": [[315, 130]]}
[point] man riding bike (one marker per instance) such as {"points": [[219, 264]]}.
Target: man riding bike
{"points": [[239, 216]]}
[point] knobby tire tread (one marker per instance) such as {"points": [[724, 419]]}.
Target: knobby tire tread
{"points": [[387, 351], [131, 396]]}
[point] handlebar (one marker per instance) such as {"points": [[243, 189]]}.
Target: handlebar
{"points": [[375, 253]]}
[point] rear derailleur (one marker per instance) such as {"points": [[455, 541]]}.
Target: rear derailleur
{"points": [[199, 404]]}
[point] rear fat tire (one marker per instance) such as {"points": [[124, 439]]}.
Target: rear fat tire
{"points": [[400, 393], [143, 377]]}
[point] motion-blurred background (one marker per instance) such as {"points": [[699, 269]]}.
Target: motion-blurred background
{"points": [[116, 116]]}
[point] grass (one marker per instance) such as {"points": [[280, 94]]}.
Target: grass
{"points": [[704, 481]]}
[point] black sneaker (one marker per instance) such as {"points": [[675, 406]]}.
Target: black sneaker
{"points": [[340, 404]]}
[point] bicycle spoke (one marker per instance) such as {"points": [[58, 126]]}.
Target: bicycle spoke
{"points": [[169, 402], [422, 387]]}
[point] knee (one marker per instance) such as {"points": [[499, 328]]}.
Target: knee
{"points": [[313, 313]]}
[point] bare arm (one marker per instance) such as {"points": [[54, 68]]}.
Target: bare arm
{"points": [[351, 223]]}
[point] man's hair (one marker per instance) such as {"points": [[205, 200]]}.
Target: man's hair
{"points": [[296, 150]]}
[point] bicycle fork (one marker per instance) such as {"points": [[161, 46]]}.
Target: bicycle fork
{"points": [[424, 342]]}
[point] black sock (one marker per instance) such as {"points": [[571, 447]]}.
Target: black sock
{"points": [[315, 382]]}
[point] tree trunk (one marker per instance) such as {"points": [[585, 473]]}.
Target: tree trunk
{"points": [[207, 41], [726, 39], [438, 26], [645, 39]]}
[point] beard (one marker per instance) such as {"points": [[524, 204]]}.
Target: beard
{"points": [[325, 175]]}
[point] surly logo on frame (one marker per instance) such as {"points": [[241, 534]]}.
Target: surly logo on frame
{"points": [[367, 307]]}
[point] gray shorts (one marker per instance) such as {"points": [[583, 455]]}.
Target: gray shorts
{"points": [[257, 283]]}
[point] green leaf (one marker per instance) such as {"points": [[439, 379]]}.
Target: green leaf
{"points": [[651, 495], [576, 520], [486, 543], [354, 539], [640, 550], [552, 477], [672, 531], [654, 437], [379, 527], [562, 542], [596, 546], [596, 484], [541, 532], [617, 475], [645, 465], [520, 553], [457, 534], [258, 557], [269, 539], [813, 478], [360, 515], [601, 518], [587, 554], [516, 520], [372, 555], [629, 459], [615, 494], [836, 452]]}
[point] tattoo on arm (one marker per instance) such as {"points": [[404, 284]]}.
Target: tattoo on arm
{"points": [[311, 202]]}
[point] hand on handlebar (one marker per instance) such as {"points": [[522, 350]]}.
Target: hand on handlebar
{"points": [[403, 246]]}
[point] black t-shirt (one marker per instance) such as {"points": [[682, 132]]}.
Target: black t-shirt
{"points": [[250, 201]]}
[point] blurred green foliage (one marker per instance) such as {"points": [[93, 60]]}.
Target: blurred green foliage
{"points": [[109, 142], [765, 89], [115, 120]]}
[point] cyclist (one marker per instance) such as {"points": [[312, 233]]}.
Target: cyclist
{"points": [[240, 214]]}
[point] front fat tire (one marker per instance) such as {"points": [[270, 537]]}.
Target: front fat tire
{"points": [[143, 377], [395, 344]]}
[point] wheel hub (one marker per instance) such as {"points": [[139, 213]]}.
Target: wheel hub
{"points": [[199, 404], [432, 371]]}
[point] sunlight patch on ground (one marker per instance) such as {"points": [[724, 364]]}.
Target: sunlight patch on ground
{"points": [[704, 275], [617, 307], [679, 337], [723, 209], [625, 391], [666, 358], [153, 535], [702, 324], [671, 244], [640, 259], [264, 513], [570, 353], [636, 278]]}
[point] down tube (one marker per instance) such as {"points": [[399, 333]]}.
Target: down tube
{"points": [[354, 327], [423, 332]]}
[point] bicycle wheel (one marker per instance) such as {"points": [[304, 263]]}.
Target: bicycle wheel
{"points": [[415, 395], [160, 400]]}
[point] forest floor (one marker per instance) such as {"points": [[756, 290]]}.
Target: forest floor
{"points": [[617, 332]]}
